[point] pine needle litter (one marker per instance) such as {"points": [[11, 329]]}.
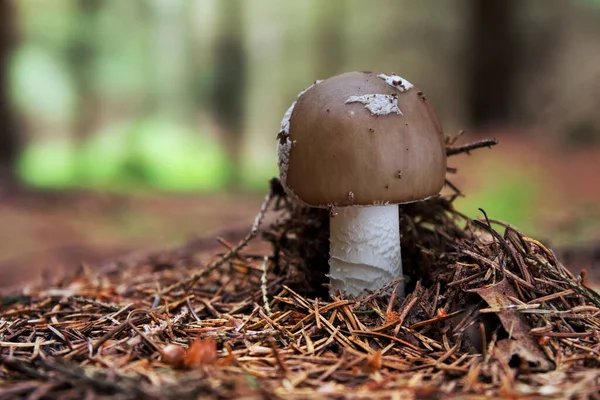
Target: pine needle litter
{"points": [[489, 312]]}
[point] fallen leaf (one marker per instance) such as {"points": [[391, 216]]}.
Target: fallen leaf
{"points": [[372, 363], [497, 296], [507, 349], [201, 352]]}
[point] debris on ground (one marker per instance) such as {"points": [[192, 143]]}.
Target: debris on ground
{"points": [[490, 312]]}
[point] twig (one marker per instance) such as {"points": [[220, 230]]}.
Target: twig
{"points": [[451, 151]]}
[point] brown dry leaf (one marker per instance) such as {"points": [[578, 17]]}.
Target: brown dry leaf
{"points": [[201, 352], [497, 296], [372, 363], [507, 348]]}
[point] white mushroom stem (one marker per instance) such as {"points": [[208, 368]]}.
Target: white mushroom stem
{"points": [[364, 248]]}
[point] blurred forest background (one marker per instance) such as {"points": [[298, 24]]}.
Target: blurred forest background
{"points": [[127, 125]]}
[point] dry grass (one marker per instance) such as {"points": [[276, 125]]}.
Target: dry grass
{"points": [[490, 312]]}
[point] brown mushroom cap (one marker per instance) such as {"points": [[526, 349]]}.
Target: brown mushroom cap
{"points": [[342, 154]]}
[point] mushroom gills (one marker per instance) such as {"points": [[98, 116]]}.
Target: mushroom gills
{"points": [[364, 248]]}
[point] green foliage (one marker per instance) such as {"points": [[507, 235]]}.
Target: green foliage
{"points": [[40, 85], [173, 158], [48, 164], [101, 160], [154, 154], [511, 196]]}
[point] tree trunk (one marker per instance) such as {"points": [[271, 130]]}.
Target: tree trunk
{"points": [[9, 137], [229, 85], [82, 53], [493, 60]]}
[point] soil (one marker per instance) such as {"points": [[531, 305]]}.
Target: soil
{"points": [[50, 234]]}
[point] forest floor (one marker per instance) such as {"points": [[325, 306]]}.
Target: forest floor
{"points": [[167, 305], [50, 233]]}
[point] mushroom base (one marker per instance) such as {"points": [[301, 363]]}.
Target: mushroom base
{"points": [[364, 248]]}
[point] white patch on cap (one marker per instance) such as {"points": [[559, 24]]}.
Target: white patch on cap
{"points": [[377, 104], [284, 144], [397, 82]]}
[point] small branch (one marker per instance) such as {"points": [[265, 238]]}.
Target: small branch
{"points": [[451, 151], [454, 188]]}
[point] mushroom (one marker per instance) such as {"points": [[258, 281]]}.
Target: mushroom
{"points": [[359, 144]]}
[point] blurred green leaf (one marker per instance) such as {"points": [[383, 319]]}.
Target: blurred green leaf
{"points": [[102, 158], [40, 85], [154, 153], [48, 164], [511, 197], [175, 158]]}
